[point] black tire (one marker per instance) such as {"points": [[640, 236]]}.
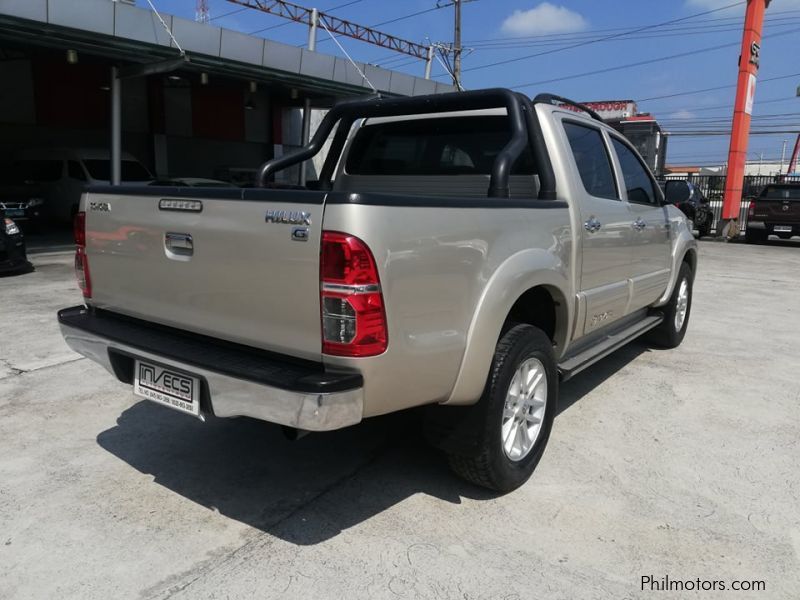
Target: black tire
{"points": [[479, 456], [755, 236], [704, 230], [666, 334]]}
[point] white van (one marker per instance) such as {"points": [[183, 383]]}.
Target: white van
{"points": [[56, 177]]}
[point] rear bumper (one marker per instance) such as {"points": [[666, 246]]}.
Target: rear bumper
{"points": [[769, 226], [237, 380]]}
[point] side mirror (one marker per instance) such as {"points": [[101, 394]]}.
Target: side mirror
{"points": [[677, 191]]}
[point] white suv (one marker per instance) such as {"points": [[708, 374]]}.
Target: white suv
{"points": [[48, 182]]}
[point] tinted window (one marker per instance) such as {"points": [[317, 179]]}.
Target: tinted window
{"points": [[447, 146], [592, 160], [35, 171], [74, 171], [637, 180], [781, 192], [100, 169]]}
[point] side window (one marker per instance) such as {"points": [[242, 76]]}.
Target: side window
{"points": [[592, 160], [637, 181], [74, 171]]}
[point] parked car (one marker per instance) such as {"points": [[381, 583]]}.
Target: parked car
{"points": [[464, 251], [47, 183], [192, 182], [692, 202], [776, 211], [13, 256]]}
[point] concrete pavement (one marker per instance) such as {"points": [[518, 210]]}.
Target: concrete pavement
{"points": [[681, 463]]}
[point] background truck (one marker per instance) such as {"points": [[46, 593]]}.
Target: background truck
{"points": [[776, 211], [464, 251]]}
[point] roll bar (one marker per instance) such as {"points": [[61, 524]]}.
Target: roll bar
{"points": [[521, 115]]}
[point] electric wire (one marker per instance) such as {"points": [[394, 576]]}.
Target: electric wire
{"points": [[595, 40]]}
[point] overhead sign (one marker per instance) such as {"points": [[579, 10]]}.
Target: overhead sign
{"points": [[610, 109]]}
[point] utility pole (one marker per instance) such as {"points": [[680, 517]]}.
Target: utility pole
{"points": [[457, 44], [749, 59]]}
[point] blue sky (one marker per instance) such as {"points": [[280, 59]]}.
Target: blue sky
{"points": [[498, 30]]}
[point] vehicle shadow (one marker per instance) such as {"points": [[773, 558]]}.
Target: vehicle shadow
{"points": [[312, 489], [572, 390]]}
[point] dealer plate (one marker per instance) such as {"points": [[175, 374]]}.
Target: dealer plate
{"points": [[782, 228], [168, 387]]}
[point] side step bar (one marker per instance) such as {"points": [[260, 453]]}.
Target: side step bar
{"points": [[576, 364]]}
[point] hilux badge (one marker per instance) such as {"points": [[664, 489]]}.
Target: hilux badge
{"points": [[290, 217]]}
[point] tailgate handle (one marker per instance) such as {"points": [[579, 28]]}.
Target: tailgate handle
{"points": [[179, 243]]}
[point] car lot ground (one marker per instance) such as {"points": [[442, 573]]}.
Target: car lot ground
{"points": [[676, 463]]}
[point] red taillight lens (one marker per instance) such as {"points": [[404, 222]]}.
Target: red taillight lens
{"points": [[79, 228], [751, 210], [81, 259], [82, 271], [353, 315]]}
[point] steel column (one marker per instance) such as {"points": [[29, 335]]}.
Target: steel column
{"points": [[743, 108], [429, 62]]}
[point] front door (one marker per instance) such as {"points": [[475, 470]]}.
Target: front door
{"points": [[649, 225], [605, 230]]}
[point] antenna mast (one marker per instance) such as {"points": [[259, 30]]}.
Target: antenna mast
{"points": [[201, 12]]}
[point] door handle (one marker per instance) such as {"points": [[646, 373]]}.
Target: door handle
{"points": [[639, 224], [179, 243], [592, 225]]}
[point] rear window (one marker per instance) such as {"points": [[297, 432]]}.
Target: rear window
{"points": [[35, 171], [100, 170], [445, 146], [772, 192]]}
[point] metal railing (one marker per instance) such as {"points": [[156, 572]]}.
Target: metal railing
{"points": [[713, 187]]}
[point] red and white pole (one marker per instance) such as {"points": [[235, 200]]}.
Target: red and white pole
{"points": [[742, 109], [793, 162]]}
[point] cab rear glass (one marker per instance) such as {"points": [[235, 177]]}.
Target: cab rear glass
{"points": [[781, 192], [444, 146]]}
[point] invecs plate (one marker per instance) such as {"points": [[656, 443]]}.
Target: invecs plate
{"points": [[167, 387]]}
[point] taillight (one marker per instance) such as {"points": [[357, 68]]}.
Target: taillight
{"points": [[353, 316], [81, 259], [79, 229], [751, 210]]}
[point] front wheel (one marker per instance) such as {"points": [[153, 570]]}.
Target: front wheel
{"points": [[671, 331], [511, 423]]}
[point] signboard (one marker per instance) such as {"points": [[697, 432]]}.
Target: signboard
{"points": [[611, 109]]}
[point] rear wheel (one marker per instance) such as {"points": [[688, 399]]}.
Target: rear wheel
{"points": [[508, 429], [672, 330], [704, 230]]}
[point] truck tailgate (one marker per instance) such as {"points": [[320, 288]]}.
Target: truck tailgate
{"points": [[214, 265]]}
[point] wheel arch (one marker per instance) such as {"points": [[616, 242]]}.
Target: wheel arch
{"points": [[531, 287]]}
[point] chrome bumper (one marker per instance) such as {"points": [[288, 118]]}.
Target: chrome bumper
{"points": [[232, 396]]}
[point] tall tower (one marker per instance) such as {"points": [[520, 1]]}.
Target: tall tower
{"points": [[201, 13]]}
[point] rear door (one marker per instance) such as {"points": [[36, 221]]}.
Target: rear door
{"points": [[649, 236], [238, 265], [605, 228]]}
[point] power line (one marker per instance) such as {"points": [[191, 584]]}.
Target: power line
{"points": [[572, 36], [635, 37], [643, 62], [728, 106], [713, 89], [592, 32], [586, 43]]}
